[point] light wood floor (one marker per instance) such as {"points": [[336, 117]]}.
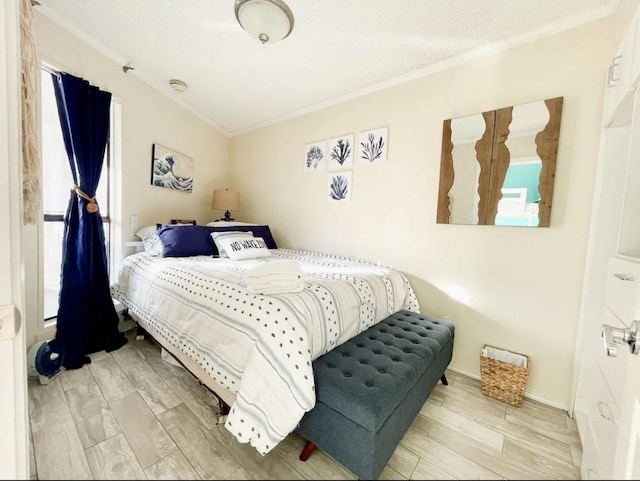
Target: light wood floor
{"points": [[131, 415]]}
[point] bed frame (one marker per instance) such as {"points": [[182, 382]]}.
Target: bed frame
{"points": [[225, 397]]}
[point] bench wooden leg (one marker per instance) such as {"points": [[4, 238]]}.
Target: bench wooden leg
{"points": [[307, 450], [444, 380]]}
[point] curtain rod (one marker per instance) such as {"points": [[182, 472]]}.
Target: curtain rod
{"points": [[54, 71], [49, 69]]}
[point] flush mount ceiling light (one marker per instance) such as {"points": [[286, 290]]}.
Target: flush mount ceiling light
{"points": [[178, 85], [266, 20]]}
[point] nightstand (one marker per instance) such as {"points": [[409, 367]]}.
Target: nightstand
{"points": [[137, 244]]}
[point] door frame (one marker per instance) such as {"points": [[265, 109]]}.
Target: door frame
{"points": [[14, 442]]}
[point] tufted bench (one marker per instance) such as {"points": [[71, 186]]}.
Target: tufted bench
{"points": [[370, 389]]}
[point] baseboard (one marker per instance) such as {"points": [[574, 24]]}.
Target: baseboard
{"points": [[541, 399]]}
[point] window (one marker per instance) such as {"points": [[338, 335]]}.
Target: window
{"points": [[56, 190]]}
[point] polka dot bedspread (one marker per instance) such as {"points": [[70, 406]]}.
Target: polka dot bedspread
{"points": [[260, 347]]}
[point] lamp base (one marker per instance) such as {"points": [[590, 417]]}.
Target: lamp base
{"points": [[227, 217]]}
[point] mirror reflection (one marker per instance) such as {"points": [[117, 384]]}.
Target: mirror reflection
{"points": [[497, 167]]}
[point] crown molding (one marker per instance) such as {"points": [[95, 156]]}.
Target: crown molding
{"points": [[475, 54], [55, 17]]}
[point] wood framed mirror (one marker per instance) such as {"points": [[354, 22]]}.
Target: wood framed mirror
{"points": [[498, 167]]}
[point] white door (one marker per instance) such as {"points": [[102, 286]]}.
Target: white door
{"points": [[627, 460], [620, 366], [13, 392]]}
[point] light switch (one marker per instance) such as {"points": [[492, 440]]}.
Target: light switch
{"points": [[133, 221]]}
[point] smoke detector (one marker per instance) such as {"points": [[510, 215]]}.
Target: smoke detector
{"points": [[178, 85]]}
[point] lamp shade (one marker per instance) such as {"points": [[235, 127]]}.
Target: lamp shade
{"points": [[225, 200], [265, 20]]}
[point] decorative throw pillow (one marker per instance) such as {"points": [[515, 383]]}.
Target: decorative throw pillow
{"points": [[186, 240], [258, 231], [217, 236], [248, 248]]}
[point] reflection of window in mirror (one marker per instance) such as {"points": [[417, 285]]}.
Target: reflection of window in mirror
{"points": [[520, 196], [525, 166], [498, 167]]}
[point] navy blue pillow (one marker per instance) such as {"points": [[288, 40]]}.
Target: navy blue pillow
{"points": [[186, 240], [258, 231]]}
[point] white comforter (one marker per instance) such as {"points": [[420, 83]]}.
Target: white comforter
{"points": [[260, 347]]}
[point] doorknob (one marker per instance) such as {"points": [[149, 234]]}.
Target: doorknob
{"points": [[613, 335]]}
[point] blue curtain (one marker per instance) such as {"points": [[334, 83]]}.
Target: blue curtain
{"points": [[87, 320]]}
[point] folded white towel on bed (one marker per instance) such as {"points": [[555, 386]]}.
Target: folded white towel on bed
{"points": [[277, 277], [269, 289], [274, 267]]}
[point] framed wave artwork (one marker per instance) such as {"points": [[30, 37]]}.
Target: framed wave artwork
{"points": [[171, 169]]}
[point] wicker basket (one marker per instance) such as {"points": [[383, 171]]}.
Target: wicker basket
{"points": [[503, 381]]}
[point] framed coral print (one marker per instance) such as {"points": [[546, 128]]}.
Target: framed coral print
{"points": [[341, 152], [340, 186], [314, 156], [373, 146]]}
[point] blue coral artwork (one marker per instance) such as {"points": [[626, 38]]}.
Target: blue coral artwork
{"points": [[340, 186], [341, 152], [314, 156], [373, 145], [171, 169]]}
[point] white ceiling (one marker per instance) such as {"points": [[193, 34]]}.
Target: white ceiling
{"points": [[337, 49]]}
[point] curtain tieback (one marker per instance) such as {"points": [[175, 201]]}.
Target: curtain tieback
{"points": [[92, 206]]}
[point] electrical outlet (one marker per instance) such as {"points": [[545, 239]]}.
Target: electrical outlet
{"points": [[133, 221]]}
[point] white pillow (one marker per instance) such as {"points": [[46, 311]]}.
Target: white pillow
{"points": [[217, 236], [153, 245], [239, 248], [150, 240], [147, 231], [225, 223]]}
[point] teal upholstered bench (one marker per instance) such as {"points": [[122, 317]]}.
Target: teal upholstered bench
{"points": [[370, 389]]}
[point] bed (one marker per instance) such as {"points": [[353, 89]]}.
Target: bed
{"points": [[255, 351]]}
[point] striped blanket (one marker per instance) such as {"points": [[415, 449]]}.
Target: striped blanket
{"points": [[260, 347]]}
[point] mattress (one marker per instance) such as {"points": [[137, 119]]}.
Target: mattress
{"points": [[260, 347]]}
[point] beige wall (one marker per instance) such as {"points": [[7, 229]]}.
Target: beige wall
{"points": [[520, 288], [148, 117], [516, 288]]}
